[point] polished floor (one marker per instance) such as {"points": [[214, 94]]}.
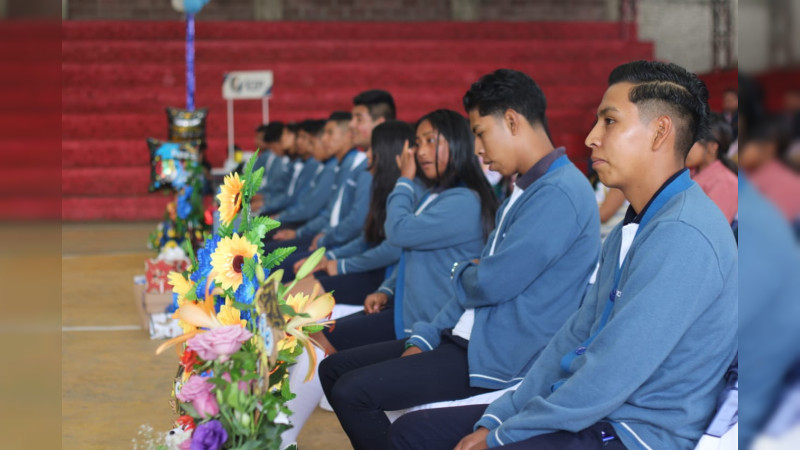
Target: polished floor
{"points": [[112, 381]]}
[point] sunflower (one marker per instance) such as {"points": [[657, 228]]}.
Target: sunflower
{"points": [[229, 315], [230, 198], [228, 258], [180, 286]]}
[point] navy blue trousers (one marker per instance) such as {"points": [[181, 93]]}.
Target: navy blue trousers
{"points": [[434, 429]]}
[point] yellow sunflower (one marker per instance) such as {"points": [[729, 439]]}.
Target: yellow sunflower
{"points": [[228, 258], [230, 198], [180, 286], [229, 315]]}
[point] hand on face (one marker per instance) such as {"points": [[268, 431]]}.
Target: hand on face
{"points": [[406, 162]]}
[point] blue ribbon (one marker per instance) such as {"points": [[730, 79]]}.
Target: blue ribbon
{"points": [[190, 62]]}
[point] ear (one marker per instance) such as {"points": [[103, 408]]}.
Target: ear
{"points": [[380, 120], [664, 134], [512, 121]]}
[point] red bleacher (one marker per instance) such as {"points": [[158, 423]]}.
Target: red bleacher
{"points": [[119, 76]]}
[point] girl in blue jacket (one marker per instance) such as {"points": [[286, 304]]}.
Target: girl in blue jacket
{"points": [[358, 268], [441, 217]]}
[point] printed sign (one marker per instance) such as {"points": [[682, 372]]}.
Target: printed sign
{"points": [[247, 85]]}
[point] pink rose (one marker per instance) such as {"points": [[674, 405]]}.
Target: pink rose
{"points": [[198, 391], [219, 343], [195, 386], [206, 405]]}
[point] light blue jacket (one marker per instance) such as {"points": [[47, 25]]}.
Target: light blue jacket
{"points": [[313, 199], [448, 229], [284, 199], [655, 369], [353, 183], [545, 253]]}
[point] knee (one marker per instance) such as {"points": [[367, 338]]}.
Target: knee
{"points": [[348, 389]]}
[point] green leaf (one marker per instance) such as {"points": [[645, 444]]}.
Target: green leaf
{"points": [[248, 168], [225, 230], [277, 256], [254, 182], [310, 263], [249, 268], [186, 245], [191, 295], [286, 391], [243, 306], [260, 226], [313, 328], [287, 310], [189, 409]]}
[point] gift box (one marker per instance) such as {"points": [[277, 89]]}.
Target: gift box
{"points": [[148, 303], [157, 274]]}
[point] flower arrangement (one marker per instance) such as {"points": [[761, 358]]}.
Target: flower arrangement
{"points": [[241, 332]]}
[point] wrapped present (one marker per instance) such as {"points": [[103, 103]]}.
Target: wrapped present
{"points": [[157, 274]]}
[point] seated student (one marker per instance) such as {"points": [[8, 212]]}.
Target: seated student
{"points": [[763, 159], [641, 363], [443, 218], [358, 268], [343, 218], [710, 168], [507, 306], [279, 200], [311, 196], [275, 140]]}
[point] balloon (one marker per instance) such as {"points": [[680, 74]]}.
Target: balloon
{"points": [[189, 6], [173, 164], [183, 125]]}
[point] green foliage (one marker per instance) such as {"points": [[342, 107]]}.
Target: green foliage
{"points": [[277, 256]]}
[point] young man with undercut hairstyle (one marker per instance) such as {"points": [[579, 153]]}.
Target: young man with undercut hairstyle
{"points": [[370, 108], [641, 363]]}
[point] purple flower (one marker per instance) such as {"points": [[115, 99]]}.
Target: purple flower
{"points": [[209, 436]]}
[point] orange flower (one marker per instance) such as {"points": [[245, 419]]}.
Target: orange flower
{"points": [[230, 198]]}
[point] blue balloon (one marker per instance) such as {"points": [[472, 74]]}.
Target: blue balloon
{"points": [[193, 6]]}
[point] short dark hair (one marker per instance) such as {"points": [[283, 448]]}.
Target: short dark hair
{"points": [[504, 89], [670, 89], [340, 116], [272, 131], [293, 127], [379, 103], [313, 127]]}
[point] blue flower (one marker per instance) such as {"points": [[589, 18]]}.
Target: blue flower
{"points": [[184, 205], [246, 292], [204, 266]]}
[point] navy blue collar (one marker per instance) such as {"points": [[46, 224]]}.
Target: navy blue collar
{"points": [[540, 168], [632, 217]]}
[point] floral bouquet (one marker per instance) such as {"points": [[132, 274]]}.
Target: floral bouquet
{"points": [[241, 333]]}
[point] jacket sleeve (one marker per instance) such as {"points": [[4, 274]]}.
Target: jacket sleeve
{"points": [[313, 201], [452, 219], [531, 241], [648, 321], [427, 335], [352, 248], [353, 222], [388, 285], [382, 255]]}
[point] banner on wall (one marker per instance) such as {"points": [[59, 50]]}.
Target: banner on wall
{"points": [[253, 84]]}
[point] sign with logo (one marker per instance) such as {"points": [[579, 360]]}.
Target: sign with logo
{"points": [[252, 84]]}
